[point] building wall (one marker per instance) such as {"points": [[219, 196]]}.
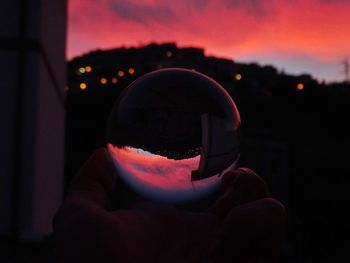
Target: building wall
{"points": [[32, 113]]}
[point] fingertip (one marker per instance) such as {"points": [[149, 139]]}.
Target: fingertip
{"points": [[249, 187], [265, 215], [239, 186], [276, 209], [253, 230], [230, 176], [245, 170], [245, 184], [96, 178]]}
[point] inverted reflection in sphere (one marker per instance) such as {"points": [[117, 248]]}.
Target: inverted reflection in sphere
{"points": [[172, 133]]}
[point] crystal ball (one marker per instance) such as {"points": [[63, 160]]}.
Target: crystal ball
{"points": [[172, 133]]}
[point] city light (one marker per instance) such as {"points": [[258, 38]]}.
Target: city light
{"points": [[103, 81], [238, 77], [114, 80], [131, 71], [83, 86], [88, 69], [169, 54], [300, 86], [121, 73], [81, 70]]}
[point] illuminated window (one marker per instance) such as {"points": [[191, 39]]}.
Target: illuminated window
{"points": [[300, 86], [121, 73], [83, 86], [238, 77], [131, 71], [169, 54], [114, 80], [88, 69], [81, 70], [103, 81]]}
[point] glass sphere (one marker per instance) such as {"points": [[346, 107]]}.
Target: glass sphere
{"points": [[172, 133]]}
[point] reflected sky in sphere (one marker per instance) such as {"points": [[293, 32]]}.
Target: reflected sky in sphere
{"points": [[159, 178], [171, 133]]}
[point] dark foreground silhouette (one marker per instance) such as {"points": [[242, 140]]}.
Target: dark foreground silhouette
{"points": [[242, 225]]}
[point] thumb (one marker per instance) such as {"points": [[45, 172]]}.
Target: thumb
{"points": [[95, 180], [239, 187]]}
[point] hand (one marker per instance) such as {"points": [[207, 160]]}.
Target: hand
{"points": [[243, 225]]}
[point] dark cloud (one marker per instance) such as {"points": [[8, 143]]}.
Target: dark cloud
{"points": [[141, 13], [258, 8], [200, 4]]}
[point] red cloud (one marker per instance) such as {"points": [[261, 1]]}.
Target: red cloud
{"points": [[230, 28]]}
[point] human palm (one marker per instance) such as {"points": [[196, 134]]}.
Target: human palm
{"points": [[243, 224]]}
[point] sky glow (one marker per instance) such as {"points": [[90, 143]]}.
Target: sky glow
{"points": [[298, 36]]}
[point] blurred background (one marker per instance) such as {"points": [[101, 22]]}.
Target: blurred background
{"points": [[284, 63]]}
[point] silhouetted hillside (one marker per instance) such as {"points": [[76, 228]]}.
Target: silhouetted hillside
{"points": [[295, 132]]}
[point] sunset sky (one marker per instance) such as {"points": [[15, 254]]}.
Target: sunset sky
{"points": [[160, 178], [298, 36]]}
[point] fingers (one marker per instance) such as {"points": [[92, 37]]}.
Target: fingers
{"points": [[82, 218], [184, 236], [247, 186], [239, 187], [253, 231], [95, 180]]}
